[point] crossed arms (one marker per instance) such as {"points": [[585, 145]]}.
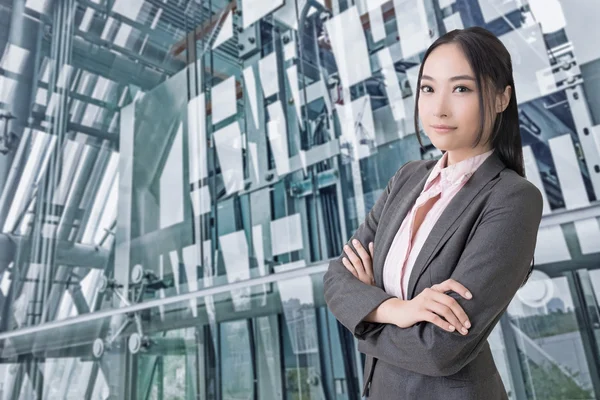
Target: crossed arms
{"points": [[492, 266]]}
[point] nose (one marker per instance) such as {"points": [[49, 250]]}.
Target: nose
{"points": [[440, 107]]}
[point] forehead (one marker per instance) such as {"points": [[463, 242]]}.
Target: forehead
{"points": [[446, 61]]}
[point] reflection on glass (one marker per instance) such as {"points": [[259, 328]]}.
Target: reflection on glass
{"points": [[287, 13], [37, 5], [234, 248], [277, 133], [548, 340], [289, 51], [14, 58], [224, 100], [197, 139], [580, 27], [21, 303], [64, 76], [529, 56], [496, 341], [453, 22], [297, 299], [292, 74], [191, 261], [267, 67], [356, 121], [238, 371], [413, 29], [37, 162], [254, 10], [228, 142], [251, 94], [368, 5], [377, 24], [349, 47], [258, 241], [494, 9], [286, 234], [588, 233], [551, 245], [253, 150], [392, 86], [200, 200], [567, 169], [105, 203], [118, 160], [533, 175], [445, 3], [128, 8], [171, 184], [268, 357]]}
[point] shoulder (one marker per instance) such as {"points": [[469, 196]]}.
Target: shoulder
{"points": [[511, 187], [515, 200]]}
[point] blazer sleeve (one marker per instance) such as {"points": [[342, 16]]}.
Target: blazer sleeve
{"points": [[493, 266], [349, 299]]}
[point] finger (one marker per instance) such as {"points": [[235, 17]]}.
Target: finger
{"points": [[445, 312], [356, 262], [364, 256], [451, 284], [455, 307], [437, 320], [349, 267], [371, 248], [365, 259]]}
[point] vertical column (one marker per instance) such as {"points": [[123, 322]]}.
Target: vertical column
{"points": [[23, 43]]}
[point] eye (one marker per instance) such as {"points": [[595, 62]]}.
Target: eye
{"points": [[426, 89], [463, 89]]}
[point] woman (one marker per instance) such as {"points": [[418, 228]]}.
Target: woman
{"points": [[449, 242]]}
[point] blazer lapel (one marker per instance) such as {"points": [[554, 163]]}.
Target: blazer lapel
{"points": [[399, 207], [442, 230]]}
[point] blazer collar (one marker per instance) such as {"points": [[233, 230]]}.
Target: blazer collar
{"points": [[405, 199]]}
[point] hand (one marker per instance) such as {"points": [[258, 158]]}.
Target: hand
{"points": [[431, 305], [361, 268]]}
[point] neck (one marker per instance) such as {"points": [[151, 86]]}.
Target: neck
{"points": [[456, 156]]}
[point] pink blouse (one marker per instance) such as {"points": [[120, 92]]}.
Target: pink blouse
{"points": [[441, 186]]}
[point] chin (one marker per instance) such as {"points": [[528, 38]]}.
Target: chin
{"points": [[443, 145]]}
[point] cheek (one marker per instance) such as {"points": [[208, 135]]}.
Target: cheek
{"points": [[467, 112], [424, 111]]}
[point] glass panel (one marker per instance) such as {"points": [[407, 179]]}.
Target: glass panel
{"points": [[549, 340], [176, 175], [236, 355]]}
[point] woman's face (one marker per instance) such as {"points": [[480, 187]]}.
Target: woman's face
{"points": [[449, 104]]}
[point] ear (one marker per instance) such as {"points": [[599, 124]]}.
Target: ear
{"points": [[502, 99]]}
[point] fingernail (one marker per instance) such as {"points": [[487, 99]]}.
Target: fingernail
{"points": [[467, 324], [452, 328], [355, 241], [465, 330], [469, 295]]}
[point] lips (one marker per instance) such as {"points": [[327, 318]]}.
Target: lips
{"points": [[443, 128]]}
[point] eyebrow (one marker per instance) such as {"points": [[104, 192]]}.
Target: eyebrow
{"points": [[454, 78]]}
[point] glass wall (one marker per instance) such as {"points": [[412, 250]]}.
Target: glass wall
{"points": [[175, 176]]}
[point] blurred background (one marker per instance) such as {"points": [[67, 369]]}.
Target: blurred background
{"points": [[176, 174]]}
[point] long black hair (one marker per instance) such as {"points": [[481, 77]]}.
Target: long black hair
{"points": [[492, 66]]}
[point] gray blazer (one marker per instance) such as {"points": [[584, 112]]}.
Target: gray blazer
{"points": [[484, 239]]}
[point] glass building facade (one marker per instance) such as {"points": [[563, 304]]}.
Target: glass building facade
{"points": [[176, 174]]}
